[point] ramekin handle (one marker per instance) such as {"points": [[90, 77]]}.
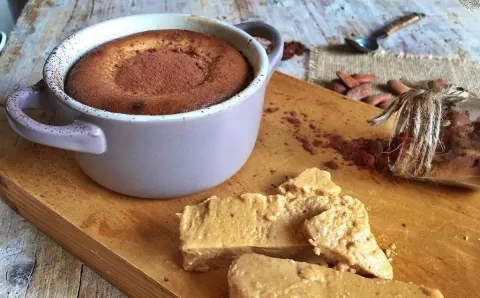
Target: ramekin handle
{"points": [[79, 136]]}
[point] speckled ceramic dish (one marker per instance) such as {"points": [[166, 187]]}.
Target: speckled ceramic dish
{"points": [[151, 156]]}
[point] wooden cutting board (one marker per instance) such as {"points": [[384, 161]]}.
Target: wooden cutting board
{"points": [[133, 243]]}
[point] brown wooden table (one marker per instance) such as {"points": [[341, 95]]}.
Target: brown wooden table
{"points": [[34, 266]]}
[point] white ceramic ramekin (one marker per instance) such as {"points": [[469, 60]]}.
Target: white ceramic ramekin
{"points": [[151, 156]]}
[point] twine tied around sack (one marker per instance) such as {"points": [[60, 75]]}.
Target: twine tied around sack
{"points": [[420, 116]]}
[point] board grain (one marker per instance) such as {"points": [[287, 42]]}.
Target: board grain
{"points": [[133, 243]]}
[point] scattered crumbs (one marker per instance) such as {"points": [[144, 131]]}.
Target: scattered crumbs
{"points": [[465, 238], [271, 110], [42, 195], [331, 165], [389, 252], [165, 279], [293, 120]]}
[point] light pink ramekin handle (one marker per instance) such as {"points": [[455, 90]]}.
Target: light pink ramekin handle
{"points": [[79, 136], [263, 30]]}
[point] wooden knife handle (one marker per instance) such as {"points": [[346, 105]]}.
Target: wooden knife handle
{"points": [[403, 22]]}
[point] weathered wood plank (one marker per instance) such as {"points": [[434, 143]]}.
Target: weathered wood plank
{"points": [[92, 285], [19, 241], [56, 272]]}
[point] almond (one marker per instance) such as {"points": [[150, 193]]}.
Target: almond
{"points": [[377, 99], [338, 86], [365, 78], [397, 87], [360, 92], [385, 104], [347, 79]]}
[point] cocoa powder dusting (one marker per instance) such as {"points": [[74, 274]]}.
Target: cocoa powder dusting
{"points": [[159, 74], [369, 154], [271, 110], [293, 120], [331, 165], [364, 153], [306, 145]]}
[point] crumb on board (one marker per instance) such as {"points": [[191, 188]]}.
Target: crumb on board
{"points": [[389, 252]]}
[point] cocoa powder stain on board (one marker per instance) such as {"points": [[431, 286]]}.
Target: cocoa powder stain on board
{"points": [[317, 143], [293, 120], [271, 110], [105, 229], [91, 220], [331, 164], [306, 145], [149, 228], [368, 154]]}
